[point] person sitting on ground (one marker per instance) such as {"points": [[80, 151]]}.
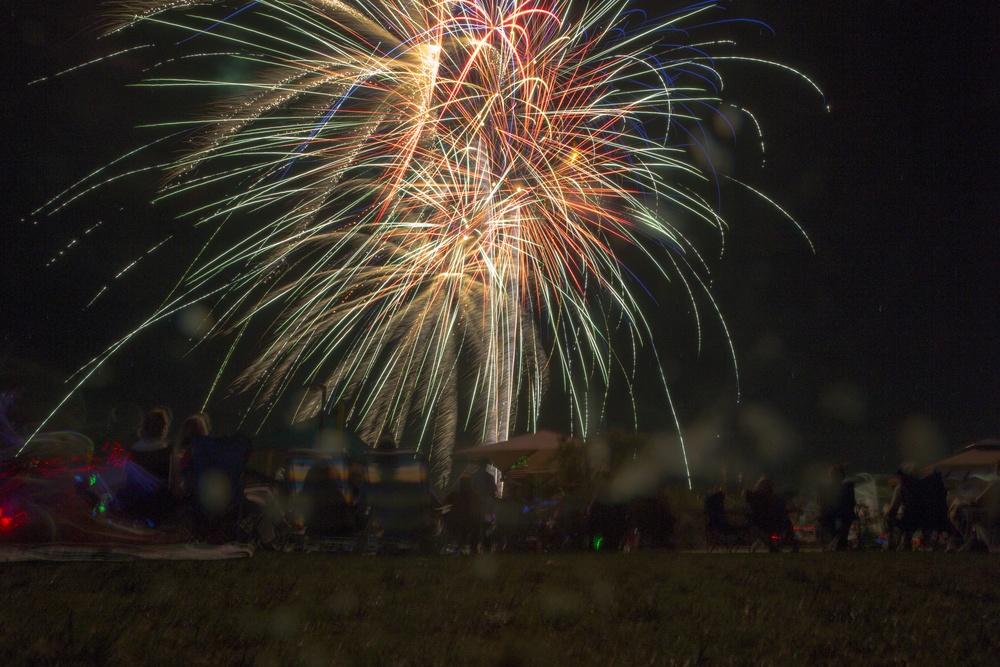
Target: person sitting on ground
{"points": [[145, 494], [837, 502], [196, 425], [152, 450]]}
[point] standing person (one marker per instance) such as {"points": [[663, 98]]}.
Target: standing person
{"points": [[837, 501], [485, 486], [466, 516], [196, 425], [896, 511], [919, 504]]}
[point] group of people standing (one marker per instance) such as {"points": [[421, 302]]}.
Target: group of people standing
{"points": [[920, 505]]}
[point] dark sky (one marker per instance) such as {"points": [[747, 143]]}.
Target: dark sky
{"points": [[884, 344]]}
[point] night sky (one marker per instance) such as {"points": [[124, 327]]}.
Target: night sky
{"points": [[882, 345]]}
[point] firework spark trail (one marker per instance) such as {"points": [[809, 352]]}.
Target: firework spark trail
{"points": [[427, 191]]}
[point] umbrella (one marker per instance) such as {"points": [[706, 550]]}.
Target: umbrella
{"points": [[532, 452], [979, 457]]}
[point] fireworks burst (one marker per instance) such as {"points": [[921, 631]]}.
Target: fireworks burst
{"points": [[427, 202]]}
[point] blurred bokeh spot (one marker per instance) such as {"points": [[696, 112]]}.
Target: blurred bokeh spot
{"points": [[195, 321], [774, 437], [920, 440]]}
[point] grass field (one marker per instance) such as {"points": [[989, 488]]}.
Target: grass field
{"points": [[643, 608]]}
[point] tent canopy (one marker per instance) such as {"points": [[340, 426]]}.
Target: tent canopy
{"points": [[530, 452], [978, 458], [309, 435], [271, 450]]}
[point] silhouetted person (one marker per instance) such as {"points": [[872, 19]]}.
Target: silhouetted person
{"points": [[918, 504], [330, 513], [466, 515], [484, 484], [152, 450], [769, 514], [197, 424], [837, 502], [145, 495], [607, 522]]}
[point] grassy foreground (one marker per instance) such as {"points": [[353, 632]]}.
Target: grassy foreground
{"points": [[644, 608]]}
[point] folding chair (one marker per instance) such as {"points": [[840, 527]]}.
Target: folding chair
{"points": [[217, 465], [925, 508], [397, 498], [324, 499], [718, 530], [837, 519], [768, 522]]}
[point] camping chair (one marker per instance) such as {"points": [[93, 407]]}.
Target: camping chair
{"points": [[718, 530], [143, 497], [838, 515], [925, 508], [397, 499], [993, 535], [513, 527], [768, 522], [866, 527], [323, 499], [216, 506]]}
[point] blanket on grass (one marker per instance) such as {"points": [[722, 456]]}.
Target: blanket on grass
{"points": [[117, 552]]}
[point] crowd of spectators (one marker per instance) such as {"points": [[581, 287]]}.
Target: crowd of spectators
{"points": [[161, 483]]}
